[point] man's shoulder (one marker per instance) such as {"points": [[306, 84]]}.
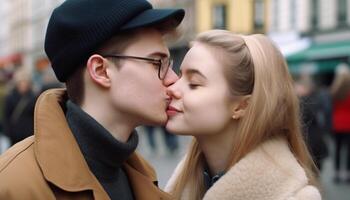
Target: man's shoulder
{"points": [[16, 154], [18, 162], [20, 174]]}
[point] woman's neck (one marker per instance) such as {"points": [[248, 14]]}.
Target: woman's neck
{"points": [[217, 149]]}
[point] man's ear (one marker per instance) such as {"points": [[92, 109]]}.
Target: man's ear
{"points": [[97, 70], [240, 107]]}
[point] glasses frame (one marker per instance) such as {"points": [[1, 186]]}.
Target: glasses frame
{"points": [[159, 62]]}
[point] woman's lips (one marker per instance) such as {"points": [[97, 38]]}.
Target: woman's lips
{"points": [[171, 111]]}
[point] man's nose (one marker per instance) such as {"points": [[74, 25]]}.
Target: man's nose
{"points": [[170, 78], [173, 90]]}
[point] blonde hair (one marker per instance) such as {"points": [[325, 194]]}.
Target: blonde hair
{"points": [[257, 68]]}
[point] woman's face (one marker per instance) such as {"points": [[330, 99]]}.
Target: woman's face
{"points": [[201, 102]]}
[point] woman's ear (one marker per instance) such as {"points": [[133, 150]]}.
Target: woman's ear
{"points": [[240, 107], [97, 70]]}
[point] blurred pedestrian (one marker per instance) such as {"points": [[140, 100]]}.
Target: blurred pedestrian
{"points": [[313, 113], [112, 57], [3, 93], [19, 108], [340, 91], [49, 81], [170, 140], [151, 138], [236, 97]]}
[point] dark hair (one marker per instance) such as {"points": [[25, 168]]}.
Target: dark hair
{"points": [[75, 86]]}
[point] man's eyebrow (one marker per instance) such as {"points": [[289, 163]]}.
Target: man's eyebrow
{"points": [[191, 72], [158, 54]]}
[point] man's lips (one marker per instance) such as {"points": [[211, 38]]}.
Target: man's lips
{"points": [[171, 111]]}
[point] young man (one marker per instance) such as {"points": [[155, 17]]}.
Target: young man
{"points": [[112, 57]]}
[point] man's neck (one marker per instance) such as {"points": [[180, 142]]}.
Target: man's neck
{"points": [[116, 125]]}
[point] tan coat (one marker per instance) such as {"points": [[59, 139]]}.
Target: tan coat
{"points": [[49, 165], [270, 172]]}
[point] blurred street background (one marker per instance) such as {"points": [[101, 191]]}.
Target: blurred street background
{"points": [[165, 161], [313, 35]]}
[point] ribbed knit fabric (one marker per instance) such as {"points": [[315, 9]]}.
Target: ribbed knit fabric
{"points": [[77, 28], [102, 152]]}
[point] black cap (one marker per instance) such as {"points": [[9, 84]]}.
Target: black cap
{"points": [[78, 27]]}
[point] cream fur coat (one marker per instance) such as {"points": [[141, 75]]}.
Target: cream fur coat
{"points": [[270, 172]]}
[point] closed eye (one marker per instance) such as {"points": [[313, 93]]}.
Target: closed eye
{"points": [[193, 86]]}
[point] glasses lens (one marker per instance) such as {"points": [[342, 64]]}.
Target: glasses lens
{"points": [[166, 64]]}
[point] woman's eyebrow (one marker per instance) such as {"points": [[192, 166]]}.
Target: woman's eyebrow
{"points": [[191, 72]]}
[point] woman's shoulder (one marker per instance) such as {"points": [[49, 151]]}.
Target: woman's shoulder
{"points": [[269, 172]]}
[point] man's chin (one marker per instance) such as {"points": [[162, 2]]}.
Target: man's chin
{"points": [[163, 121], [159, 121]]}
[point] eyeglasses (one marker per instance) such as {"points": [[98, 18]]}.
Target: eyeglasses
{"points": [[163, 64]]}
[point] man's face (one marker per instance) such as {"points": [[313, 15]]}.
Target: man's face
{"points": [[136, 91]]}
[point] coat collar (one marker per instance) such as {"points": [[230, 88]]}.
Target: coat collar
{"points": [[269, 172], [143, 179], [62, 162]]}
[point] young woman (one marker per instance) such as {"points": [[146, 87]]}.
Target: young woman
{"points": [[235, 96]]}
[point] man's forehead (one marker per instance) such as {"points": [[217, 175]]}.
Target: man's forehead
{"points": [[148, 35], [148, 42]]}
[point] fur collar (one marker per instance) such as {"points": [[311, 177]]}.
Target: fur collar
{"points": [[270, 172]]}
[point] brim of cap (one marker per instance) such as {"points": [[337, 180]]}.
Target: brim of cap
{"points": [[155, 16]]}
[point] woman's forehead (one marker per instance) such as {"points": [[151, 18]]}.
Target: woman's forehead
{"points": [[203, 59]]}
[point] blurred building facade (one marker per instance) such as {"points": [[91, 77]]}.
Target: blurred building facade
{"points": [[41, 11], [15, 42], [313, 34], [4, 31], [22, 38], [240, 16], [185, 32]]}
